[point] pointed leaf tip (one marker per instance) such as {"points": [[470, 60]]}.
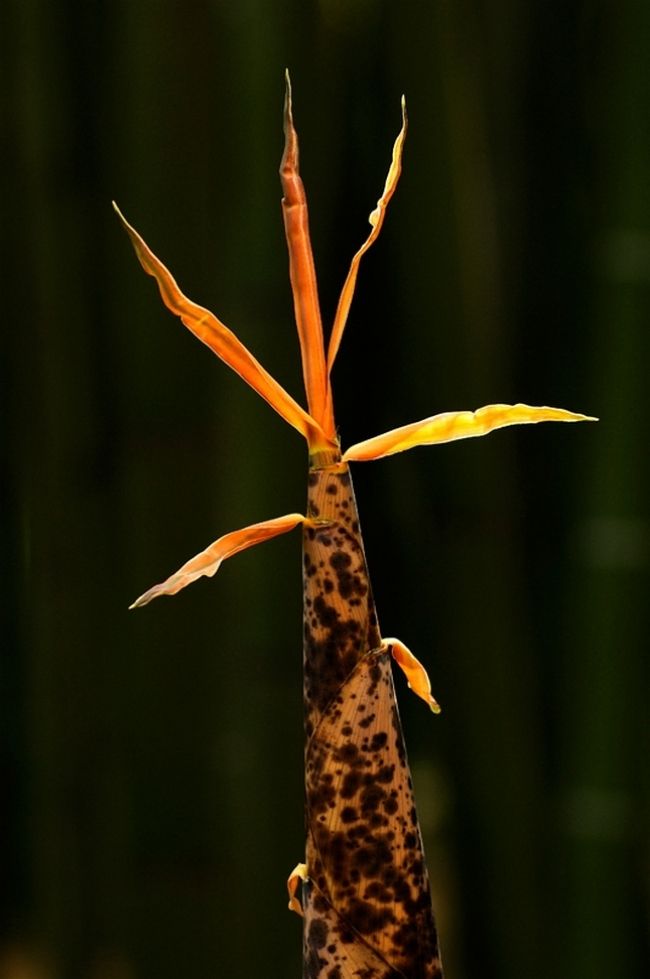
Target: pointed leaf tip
{"points": [[288, 102]]}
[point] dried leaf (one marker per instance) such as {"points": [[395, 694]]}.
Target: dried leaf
{"points": [[208, 562]]}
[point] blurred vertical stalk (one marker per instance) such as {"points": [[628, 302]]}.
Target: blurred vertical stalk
{"points": [[497, 715], [496, 744], [73, 814], [605, 737]]}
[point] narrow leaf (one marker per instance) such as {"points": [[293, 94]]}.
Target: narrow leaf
{"points": [[376, 220], [222, 341], [453, 425], [209, 561], [303, 276]]}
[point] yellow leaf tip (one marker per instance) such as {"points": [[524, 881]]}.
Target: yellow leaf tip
{"points": [[576, 416], [287, 92], [404, 113], [125, 224]]}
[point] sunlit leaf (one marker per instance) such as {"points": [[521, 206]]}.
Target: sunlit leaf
{"points": [[376, 220], [208, 562], [222, 341], [303, 277], [452, 425], [416, 675]]}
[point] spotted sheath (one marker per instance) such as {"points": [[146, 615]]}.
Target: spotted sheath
{"points": [[366, 902]]}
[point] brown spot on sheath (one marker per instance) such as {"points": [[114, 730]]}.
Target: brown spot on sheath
{"points": [[350, 785], [371, 796], [367, 918], [318, 933], [386, 774], [340, 560], [349, 754], [378, 741]]}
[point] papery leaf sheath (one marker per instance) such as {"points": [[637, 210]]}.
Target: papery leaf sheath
{"points": [[367, 901]]}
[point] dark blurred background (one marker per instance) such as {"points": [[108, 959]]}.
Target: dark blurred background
{"points": [[151, 761]]}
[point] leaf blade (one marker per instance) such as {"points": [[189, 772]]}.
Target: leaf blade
{"points": [[221, 340], [453, 425], [376, 220], [208, 561], [302, 273]]}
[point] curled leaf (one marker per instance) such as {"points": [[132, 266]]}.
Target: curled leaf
{"points": [[297, 875], [416, 675], [209, 561], [452, 425]]}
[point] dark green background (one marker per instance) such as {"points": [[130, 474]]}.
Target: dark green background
{"points": [[151, 761]]}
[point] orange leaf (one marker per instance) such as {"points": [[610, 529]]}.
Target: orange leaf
{"points": [[303, 276], [452, 425], [298, 874], [376, 220], [416, 675], [222, 341], [209, 561]]}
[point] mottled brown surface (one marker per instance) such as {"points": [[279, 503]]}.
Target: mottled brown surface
{"points": [[367, 902]]}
